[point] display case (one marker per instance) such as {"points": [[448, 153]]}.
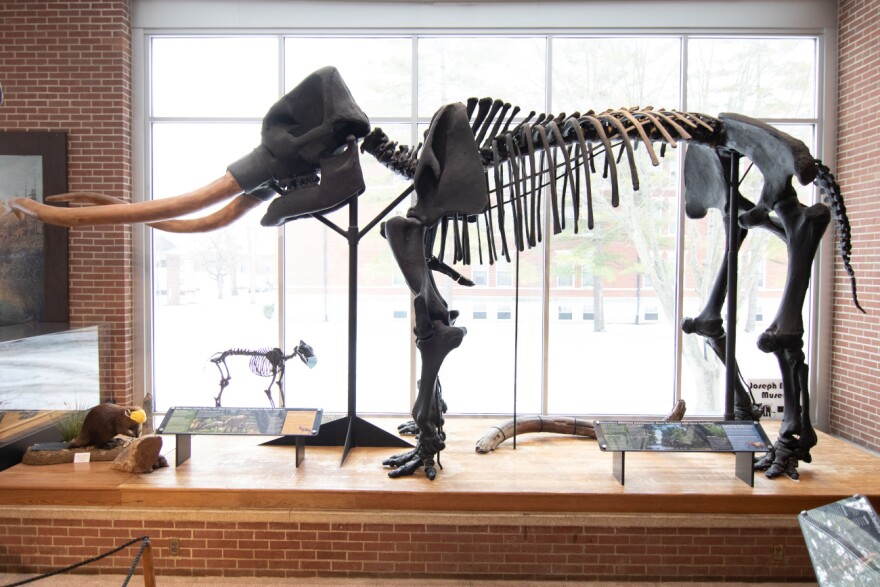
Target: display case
{"points": [[47, 371]]}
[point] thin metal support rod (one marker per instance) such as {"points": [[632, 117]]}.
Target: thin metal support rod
{"points": [[732, 260], [330, 224], [515, 344], [345, 233]]}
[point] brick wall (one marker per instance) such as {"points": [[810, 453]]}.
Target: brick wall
{"points": [[701, 551], [855, 398], [66, 66]]}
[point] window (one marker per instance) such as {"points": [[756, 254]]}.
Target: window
{"points": [[565, 279], [503, 276], [238, 288], [587, 278], [588, 312]]}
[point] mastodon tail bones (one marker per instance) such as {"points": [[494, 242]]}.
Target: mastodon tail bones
{"points": [[828, 185]]}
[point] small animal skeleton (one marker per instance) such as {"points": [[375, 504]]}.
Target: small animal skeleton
{"points": [[265, 362]]}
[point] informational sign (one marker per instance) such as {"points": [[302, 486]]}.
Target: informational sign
{"points": [[768, 392], [257, 421], [682, 436]]}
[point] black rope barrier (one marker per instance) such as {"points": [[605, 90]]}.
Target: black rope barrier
{"points": [[145, 541]]}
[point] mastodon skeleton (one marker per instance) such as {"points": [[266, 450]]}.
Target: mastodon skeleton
{"points": [[308, 156], [265, 362], [474, 165]]}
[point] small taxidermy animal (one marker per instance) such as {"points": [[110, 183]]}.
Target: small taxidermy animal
{"points": [[105, 421]]}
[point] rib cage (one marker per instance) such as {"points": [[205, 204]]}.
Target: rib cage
{"points": [[521, 160], [263, 362], [569, 145]]}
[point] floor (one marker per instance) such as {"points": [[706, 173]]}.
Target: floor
{"points": [[107, 580], [546, 473]]}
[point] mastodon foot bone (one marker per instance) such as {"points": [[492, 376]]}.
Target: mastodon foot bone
{"points": [[407, 463], [778, 461], [751, 412], [408, 428]]}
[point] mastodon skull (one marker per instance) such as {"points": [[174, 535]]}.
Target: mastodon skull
{"points": [[310, 123], [306, 129]]}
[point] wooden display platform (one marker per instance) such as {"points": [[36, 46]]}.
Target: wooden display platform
{"points": [[547, 473]]}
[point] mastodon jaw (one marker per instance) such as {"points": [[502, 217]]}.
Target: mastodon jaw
{"points": [[219, 219], [124, 213]]}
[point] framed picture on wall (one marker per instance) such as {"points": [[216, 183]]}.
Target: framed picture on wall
{"points": [[33, 256]]}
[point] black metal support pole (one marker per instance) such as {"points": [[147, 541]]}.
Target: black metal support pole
{"points": [[732, 259], [352, 305], [352, 236], [350, 431]]}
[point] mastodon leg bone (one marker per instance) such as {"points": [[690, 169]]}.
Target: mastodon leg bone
{"points": [[804, 227], [435, 338], [410, 427], [796, 434], [707, 187], [406, 237]]}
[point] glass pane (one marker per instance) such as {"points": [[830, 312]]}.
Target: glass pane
{"points": [[213, 291], [453, 69], [770, 78], [316, 301], [611, 332], [645, 72], [480, 376], [378, 71], [763, 262], [214, 76]]}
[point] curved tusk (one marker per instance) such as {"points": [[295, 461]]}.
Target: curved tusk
{"points": [[219, 219], [86, 198], [115, 213]]}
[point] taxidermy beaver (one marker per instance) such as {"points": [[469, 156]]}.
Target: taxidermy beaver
{"points": [[105, 421]]}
